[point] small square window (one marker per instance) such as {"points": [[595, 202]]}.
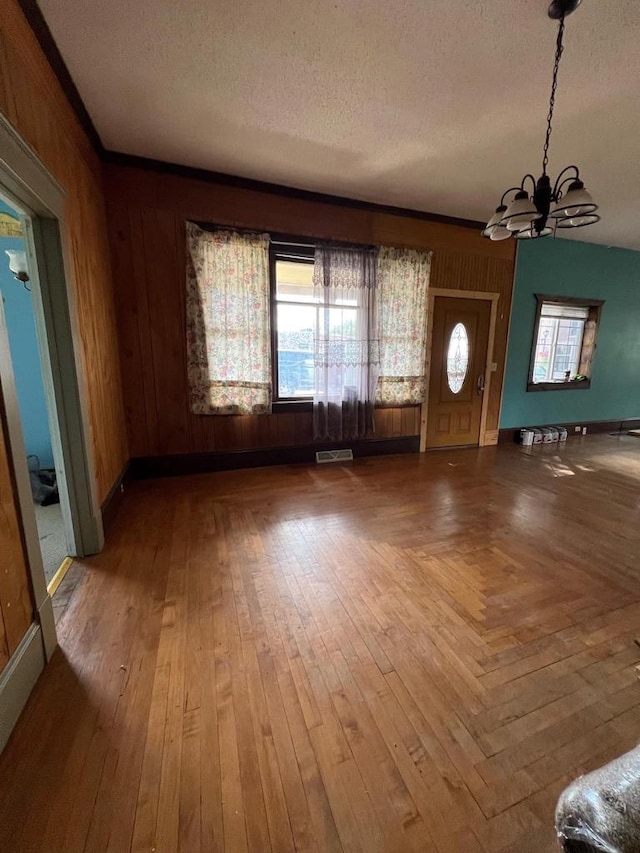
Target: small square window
{"points": [[563, 343]]}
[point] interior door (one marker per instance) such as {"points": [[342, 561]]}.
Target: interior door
{"points": [[458, 366]]}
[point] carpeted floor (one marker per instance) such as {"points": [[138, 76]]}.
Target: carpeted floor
{"points": [[53, 543]]}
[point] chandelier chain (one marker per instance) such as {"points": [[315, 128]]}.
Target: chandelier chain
{"points": [[552, 99]]}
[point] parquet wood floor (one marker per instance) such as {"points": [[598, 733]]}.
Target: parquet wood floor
{"points": [[401, 654]]}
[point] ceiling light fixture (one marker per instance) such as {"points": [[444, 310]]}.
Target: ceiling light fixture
{"points": [[547, 208], [18, 265]]}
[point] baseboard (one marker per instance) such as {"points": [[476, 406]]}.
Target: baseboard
{"points": [[111, 503], [508, 436], [145, 467], [18, 680]]}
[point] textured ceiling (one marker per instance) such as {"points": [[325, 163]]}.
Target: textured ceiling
{"points": [[430, 104]]}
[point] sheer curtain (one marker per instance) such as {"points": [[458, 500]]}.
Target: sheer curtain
{"points": [[403, 281], [228, 310], [345, 343]]}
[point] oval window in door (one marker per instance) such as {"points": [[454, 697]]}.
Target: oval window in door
{"points": [[457, 358]]}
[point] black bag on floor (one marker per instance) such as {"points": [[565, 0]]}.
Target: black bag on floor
{"points": [[44, 488]]}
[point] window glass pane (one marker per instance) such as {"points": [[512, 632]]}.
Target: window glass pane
{"points": [[558, 347], [457, 358], [341, 322], [299, 317], [296, 326], [294, 282], [544, 350]]}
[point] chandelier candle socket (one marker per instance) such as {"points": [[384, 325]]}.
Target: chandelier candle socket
{"points": [[537, 209]]}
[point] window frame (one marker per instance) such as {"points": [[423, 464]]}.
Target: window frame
{"points": [[595, 311], [283, 250]]}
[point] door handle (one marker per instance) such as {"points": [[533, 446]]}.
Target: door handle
{"points": [[480, 384]]}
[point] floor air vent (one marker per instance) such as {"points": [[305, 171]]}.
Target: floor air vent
{"points": [[334, 456]]}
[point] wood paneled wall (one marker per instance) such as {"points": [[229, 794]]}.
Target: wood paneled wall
{"points": [[33, 101], [146, 214], [15, 597]]}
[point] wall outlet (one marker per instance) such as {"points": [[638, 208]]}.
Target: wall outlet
{"points": [[584, 430], [577, 429]]}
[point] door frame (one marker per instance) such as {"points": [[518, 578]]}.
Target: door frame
{"points": [[485, 437], [35, 193]]}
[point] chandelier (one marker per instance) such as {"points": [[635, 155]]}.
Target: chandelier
{"points": [[565, 205]]}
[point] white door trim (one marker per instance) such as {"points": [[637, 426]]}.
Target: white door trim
{"points": [[485, 437], [18, 679]]}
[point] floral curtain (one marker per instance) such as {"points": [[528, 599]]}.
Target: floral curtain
{"points": [[345, 344], [403, 280], [228, 335]]}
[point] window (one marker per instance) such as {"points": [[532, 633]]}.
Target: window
{"points": [[402, 282], [295, 322], [563, 343], [297, 314], [457, 358]]}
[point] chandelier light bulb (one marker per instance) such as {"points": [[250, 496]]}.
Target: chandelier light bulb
{"points": [[500, 233], [577, 202], [520, 213], [532, 234], [494, 230]]}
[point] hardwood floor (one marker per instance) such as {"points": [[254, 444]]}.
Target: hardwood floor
{"points": [[401, 654]]}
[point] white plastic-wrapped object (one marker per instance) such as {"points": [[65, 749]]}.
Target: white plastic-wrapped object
{"points": [[600, 812]]}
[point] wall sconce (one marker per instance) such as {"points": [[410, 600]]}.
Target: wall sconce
{"points": [[18, 266]]}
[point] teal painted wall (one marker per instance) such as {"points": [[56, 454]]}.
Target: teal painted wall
{"points": [[18, 309], [568, 268]]}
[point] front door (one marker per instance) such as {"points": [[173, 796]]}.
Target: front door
{"points": [[458, 364]]}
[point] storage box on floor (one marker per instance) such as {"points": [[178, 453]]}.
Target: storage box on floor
{"points": [[541, 435]]}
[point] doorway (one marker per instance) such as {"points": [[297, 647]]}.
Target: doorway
{"points": [[37, 201], [53, 517], [461, 331]]}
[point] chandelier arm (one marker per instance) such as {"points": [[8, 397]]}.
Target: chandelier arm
{"points": [[506, 193], [552, 99], [559, 183], [533, 181]]}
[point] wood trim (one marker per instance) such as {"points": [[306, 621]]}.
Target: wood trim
{"points": [[424, 408], [463, 294], [569, 300], [111, 504], [117, 158], [488, 373], [147, 467], [508, 435], [40, 28], [485, 438]]}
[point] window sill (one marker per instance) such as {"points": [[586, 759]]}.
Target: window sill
{"points": [[559, 386], [289, 407]]}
